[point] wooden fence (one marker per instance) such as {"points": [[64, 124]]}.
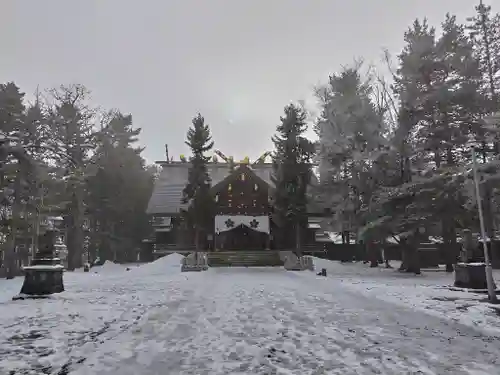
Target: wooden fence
{"points": [[429, 255]]}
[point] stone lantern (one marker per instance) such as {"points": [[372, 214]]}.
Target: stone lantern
{"points": [[45, 274]]}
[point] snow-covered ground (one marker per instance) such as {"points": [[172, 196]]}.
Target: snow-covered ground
{"points": [[432, 292], [155, 320]]}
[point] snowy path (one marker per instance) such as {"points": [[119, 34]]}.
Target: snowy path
{"points": [[232, 321], [248, 321]]}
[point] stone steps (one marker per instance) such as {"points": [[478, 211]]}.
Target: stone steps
{"points": [[263, 258]]}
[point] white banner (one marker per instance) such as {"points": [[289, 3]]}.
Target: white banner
{"points": [[223, 223]]}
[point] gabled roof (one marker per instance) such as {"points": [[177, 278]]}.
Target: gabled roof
{"points": [[243, 168], [167, 191]]}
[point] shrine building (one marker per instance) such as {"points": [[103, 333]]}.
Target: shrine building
{"points": [[243, 221]]}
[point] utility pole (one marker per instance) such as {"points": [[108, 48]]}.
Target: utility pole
{"points": [[488, 268]]}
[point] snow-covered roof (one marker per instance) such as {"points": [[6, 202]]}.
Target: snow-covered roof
{"points": [[167, 192]]}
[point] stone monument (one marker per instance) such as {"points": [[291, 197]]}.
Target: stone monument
{"points": [[45, 274], [470, 272]]}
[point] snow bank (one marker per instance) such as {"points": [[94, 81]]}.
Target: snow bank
{"points": [[165, 265], [110, 266], [107, 268]]}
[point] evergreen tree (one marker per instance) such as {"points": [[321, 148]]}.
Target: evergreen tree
{"points": [[48, 165], [441, 105], [14, 165], [351, 130], [72, 127], [292, 171], [197, 190], [484, 30], [117, 192]]}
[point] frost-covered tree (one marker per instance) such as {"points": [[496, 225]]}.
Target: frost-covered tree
{"points": [[484, 29], [437, 84], [351, 132]]}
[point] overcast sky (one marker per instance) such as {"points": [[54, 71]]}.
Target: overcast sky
{"points": [[238, 62]]}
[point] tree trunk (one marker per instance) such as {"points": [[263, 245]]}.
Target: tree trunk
{"points": [[75, 233], [448, 224], [415, 260], [414, 256], [298, 238], [404, 255], [372, 254], [346, 237], [93, 242], [197, 238], [10, 246], [10, 252], [489, 226], [449, 239], [411, 261]]}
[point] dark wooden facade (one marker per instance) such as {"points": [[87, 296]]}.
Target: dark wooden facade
{"points": [[243, 192]]}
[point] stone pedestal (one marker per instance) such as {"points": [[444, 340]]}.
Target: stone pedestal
{"points": [[45, 274], [194, 262], [295, 263], [471, 276], [292, 262], [308, 262], [42, 280]]}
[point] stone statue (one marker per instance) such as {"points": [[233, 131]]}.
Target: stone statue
{"points": [[46, 245], [468, 245]]}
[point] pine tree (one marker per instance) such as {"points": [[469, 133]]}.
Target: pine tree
{"points": [[350, 129], [116, 229], [438, 86], [396, 208], [16, 165], [292, 171], [197, 190], [484, 30]]}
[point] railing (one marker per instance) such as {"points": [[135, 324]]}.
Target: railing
{"points": [[312, 249], [172, 248]]}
